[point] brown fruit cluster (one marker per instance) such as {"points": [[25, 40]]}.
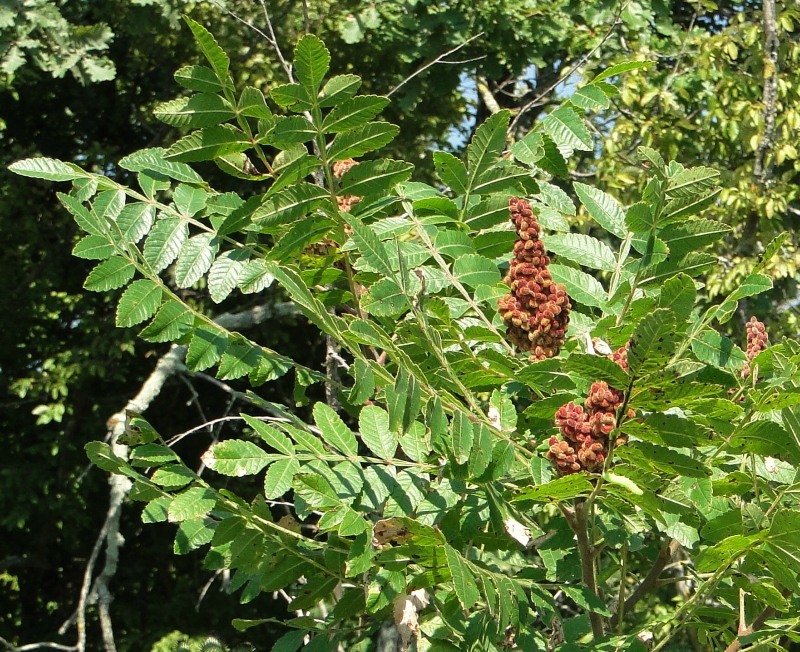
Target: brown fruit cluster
{"points": [[585, 430], [757, 341], [346, 202], [536, 312]]}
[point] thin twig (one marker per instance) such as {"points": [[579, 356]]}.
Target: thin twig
{"points": [[438, 59], [578, 65], [650, 580]]}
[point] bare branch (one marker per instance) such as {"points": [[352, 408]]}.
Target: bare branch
{"points": [[762, 169], [439, 59], [486, 95], [37, 646], [97, 591], [762, 166]]}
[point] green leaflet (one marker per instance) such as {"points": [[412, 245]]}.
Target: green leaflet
{"points": [[240, 358], [311, 62], [171, 322], [580, 286], [766, 438], [253, 104], [529, 149], [195, 258], [279, 477], [556, 198], [474, 270], [201, 110], [220, 62], [139, 302], [666, 460], [566, 488], [692, 181], [604, 209], [463, 580], [373, 424], [712, 348], [110, 274], [48, 169], [134, 221], [272, 437], [462, 437], [486, 146], [236, 457], [85, 219], [369, 246], [374, 177], [620, 68], [334, 431], [553, 160], [360, 140], [194, 502], [225, 273], [189, 200], [153, 160], [653, 341], [198, 78], [590, 97], [207, 144], [582, 249], [597, 367], [353, 113], [164, 242], [567, 129], [338, 89], [206, 348], [289, 205]]}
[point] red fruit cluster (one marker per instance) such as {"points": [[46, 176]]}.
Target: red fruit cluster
{"points": [[536, 313], [585, 430], [757, 341], [620, 356], [346, 202]]}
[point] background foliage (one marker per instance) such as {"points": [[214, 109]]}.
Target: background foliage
{"points": [[64, 372]]}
